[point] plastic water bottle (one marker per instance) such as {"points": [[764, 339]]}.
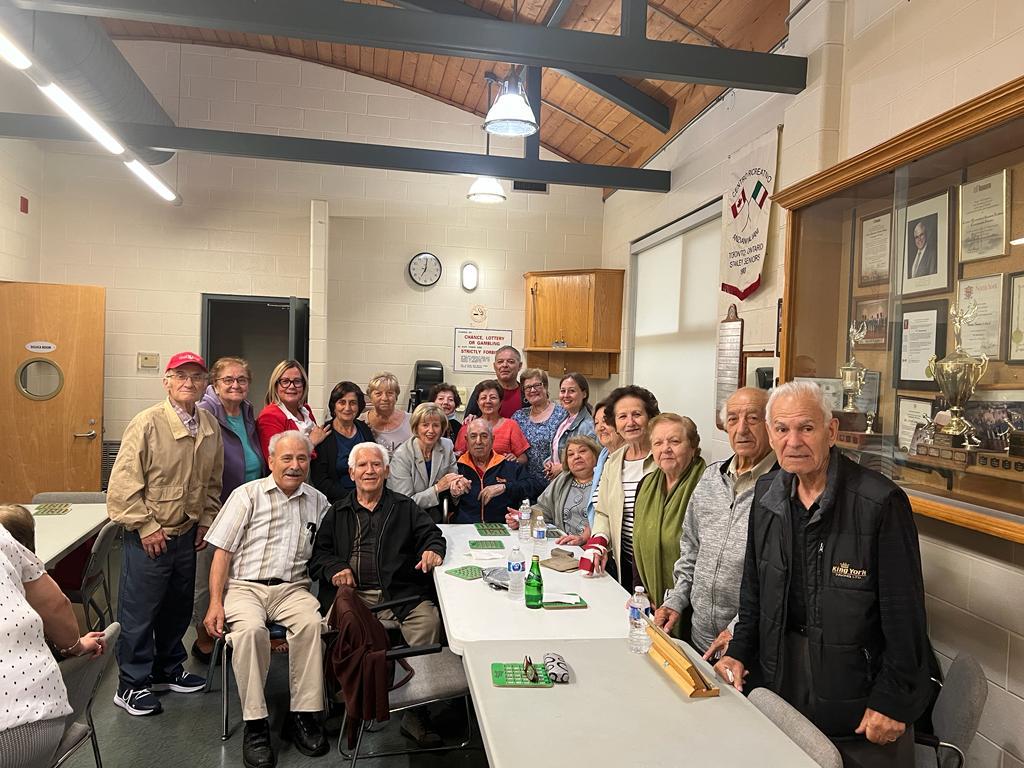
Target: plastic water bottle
{"points": [[639, 606], [539, 535], [524, 520], [516, 573]]}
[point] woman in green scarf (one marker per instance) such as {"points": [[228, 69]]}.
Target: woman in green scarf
{"points": [[661, 503]]}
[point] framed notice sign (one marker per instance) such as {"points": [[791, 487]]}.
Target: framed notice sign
{"points": [[475, 348], [728, 361]]}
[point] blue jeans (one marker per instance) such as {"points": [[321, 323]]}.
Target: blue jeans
{"points": [[155, 609]]}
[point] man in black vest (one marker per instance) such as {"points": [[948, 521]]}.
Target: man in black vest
{"points": [[832, 611]]}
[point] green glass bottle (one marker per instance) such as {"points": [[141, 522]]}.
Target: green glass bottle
{"points": [[534, 585]]}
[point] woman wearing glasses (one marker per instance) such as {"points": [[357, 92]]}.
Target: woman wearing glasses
{"points": [[227, 399], [287, 408], [538, 421]]}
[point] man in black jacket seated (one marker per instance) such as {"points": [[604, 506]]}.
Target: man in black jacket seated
{"points": [[383, 544], [832, 613]]}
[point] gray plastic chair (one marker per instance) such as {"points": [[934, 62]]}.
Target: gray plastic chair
{"points": [[801, 730], [70, 497], [96, 577], [82, 677], [955, 716]]}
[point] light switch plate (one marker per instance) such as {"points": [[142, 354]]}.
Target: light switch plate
{"points": [[148, 361]]}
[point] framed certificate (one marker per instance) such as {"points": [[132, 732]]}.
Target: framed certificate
{"points": [[925, 266], [910, 413], [1015, 348], [983, 205], [921, 333], [873, 257], [985, 334], [873, 311], [867, 400], [832, 389]]}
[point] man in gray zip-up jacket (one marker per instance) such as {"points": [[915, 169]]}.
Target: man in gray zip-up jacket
{"points": [[713, 541]]}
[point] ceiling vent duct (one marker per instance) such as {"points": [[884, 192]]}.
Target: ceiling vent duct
{"points": [[78, 54], [536, 187]]}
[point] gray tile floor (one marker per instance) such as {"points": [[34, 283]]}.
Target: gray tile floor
{"points": [[187, 733]]}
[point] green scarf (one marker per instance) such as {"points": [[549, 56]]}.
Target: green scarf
{"points": [[657, 526]]}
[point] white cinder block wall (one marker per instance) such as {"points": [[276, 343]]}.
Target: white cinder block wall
{"points": [[876, 67], [244, 225], [21, 175]]}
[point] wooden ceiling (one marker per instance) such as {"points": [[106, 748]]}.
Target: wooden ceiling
{"points": [[576, 123]]}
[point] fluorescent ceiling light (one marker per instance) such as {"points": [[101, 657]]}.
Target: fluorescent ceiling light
{"points": [[151, 180], [71, 107], [486, 189], [12, 54], [510, 115]]}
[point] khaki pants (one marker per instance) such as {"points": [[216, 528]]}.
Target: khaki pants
{"points": [[421, 627], [247, 609]]}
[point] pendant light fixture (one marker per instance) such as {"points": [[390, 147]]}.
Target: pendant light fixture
{"points": [[510, 114], [486, 189]]}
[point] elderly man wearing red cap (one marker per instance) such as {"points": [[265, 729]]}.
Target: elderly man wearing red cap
{"points": [[165, 490]]}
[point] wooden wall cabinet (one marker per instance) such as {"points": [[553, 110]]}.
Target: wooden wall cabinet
{"points": [[574, 320]]}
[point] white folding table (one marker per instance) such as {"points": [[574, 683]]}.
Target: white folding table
{"points": [[57, 535], [618, 709], [474, 612]]}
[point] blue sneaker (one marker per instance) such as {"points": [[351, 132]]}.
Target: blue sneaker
{"points": [[185, 682], [137, 701]]}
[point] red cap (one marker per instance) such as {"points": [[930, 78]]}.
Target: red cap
{"points": [[182, 358]]}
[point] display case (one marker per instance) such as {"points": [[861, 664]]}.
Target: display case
{"points": [[905, 301]]}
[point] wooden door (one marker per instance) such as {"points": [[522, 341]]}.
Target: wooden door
{"points": [[51, 384], [561, 309]]}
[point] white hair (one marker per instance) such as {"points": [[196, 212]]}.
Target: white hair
{"points": [[352, 455], [291, 434], [723, 412], [485, 422], [808, 390]]}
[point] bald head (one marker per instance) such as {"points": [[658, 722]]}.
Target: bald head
{"points": [[744, 420]]}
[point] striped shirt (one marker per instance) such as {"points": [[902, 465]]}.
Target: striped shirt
{"points": [[269, 534], [632, 474]]}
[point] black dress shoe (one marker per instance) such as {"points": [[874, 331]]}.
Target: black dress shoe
{"points": [[256, 749], [305, 731], [203, 657]]}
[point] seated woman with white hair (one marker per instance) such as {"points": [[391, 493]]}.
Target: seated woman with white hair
{"points": [[423, 467]]}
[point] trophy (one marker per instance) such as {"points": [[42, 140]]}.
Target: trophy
{"points": [[852, 375], [957, 374]]}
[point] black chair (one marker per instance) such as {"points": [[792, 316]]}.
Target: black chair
{"points": [[220, 653], [81, 678], [439, 676]]}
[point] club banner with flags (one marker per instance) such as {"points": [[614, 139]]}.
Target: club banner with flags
{"points": [[746, 206]]}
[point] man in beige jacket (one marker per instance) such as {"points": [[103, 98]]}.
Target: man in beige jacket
{"points": [[165, 490]]}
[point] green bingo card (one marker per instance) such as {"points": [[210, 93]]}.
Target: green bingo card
{"points": [[47, 510], [512, 676], [491, 529], [467, 572], [485, 544]]}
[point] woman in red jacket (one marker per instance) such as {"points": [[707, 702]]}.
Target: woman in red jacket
{"points": [[287, 408]]}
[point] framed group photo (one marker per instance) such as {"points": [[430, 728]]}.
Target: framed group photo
{"points": [[925, 267], [873, 311]]}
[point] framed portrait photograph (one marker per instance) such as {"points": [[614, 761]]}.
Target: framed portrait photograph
{"points": [[983, 221], [920, 333], [925, 266], [911, 412], [984, 335], [873, 253], [1015, 324], [873, 311]]}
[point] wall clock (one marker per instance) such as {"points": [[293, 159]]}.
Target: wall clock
{"points": [[425, 269]]}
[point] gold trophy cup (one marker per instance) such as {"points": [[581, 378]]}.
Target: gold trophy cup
{"points": [[957, 375], [852, 375]]}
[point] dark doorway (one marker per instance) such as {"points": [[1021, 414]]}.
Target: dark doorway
{"points": [[262, 329]]}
